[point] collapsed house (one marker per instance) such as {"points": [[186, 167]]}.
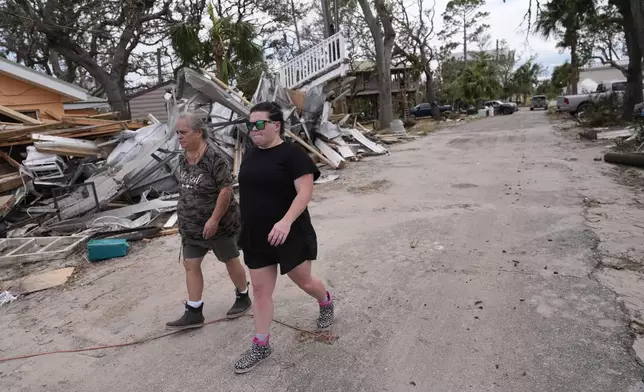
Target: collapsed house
{"points": [[123, 181]]}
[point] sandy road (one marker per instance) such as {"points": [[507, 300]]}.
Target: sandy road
{"points": [[461, 262]]}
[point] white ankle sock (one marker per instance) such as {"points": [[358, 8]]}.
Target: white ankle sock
{"points": [[243, 292], [195, 304]]}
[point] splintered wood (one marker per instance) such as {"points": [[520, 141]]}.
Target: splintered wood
{"points": [[67, 126]]}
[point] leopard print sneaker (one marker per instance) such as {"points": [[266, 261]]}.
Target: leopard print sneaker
{"points": [[326, 313], [253, 357]]}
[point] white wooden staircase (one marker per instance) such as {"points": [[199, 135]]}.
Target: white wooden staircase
{"points": [[325, 61]]}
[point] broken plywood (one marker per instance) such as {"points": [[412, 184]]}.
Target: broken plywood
{"points": [[39, 282], [375, 147], [330, 154]]}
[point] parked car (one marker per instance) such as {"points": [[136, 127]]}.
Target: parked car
{"points": [[425, 110], [502, 107], [579, 103], [539, 102]]}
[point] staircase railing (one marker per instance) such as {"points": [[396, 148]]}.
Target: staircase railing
{"points": [[313, 63]]}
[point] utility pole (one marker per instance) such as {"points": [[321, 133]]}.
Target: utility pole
{"points": [[497, 50], [159, 73]]}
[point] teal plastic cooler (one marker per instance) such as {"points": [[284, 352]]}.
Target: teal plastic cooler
{"points": [[106, 249]]}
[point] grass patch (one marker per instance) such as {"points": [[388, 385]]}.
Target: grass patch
{"points": [[425, 127]]}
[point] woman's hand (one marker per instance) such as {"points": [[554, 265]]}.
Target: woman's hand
{"points": [[280, 231], [210, 228]]}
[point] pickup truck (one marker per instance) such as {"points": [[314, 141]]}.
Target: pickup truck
{"points": [[574, 104]]}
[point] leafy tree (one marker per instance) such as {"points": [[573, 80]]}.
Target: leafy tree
{"points": [[561, 76], [547, 88], [563, 19], [230, 44], [479, 79], [506, 63], [81, 38], [526, 78], [463, 21], [415, 38]]}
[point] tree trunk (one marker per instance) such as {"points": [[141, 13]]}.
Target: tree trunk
{"points": [[637, 12], [633, 94], [109, 82], [431, 94], [574, 65], [117, 100], [383, 34], [464, 42], [297, 30], [386, 114]]}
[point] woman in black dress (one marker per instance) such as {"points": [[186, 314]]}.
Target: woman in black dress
{"points": [[275, 187]]}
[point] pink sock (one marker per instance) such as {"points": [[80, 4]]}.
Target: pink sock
{"points": [[327, 300], [261, 339]]}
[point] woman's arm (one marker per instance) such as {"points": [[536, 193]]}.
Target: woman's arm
{"points": [[223, 201], [304, 188]]}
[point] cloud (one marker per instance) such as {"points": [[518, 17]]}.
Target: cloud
{"points": [[507, 22]]}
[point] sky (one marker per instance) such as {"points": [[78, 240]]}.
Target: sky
{"points": [[505, 22]]}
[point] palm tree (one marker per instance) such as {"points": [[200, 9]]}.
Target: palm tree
{"points": [[526, 77], [562, 19], [479, 80], [230, 45]]}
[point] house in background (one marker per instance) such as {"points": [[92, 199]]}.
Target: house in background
{"points": [[150, 101], [591, 75], [364, 88], [38, 95]]}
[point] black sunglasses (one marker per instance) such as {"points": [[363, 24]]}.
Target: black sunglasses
{"points": [[259, 124]]}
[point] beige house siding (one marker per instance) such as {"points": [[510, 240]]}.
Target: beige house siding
{"points": [[150, 102]]}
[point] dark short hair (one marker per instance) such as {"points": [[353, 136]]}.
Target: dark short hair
{"points": [[274, 111]]}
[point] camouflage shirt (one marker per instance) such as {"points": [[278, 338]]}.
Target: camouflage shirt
{"points": [[200, 185]]}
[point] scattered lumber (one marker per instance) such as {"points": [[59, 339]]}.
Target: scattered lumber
{"points": [[106, 115], [18, 116], [85, 121], [9, 182], [52, 115], [9, 160]]}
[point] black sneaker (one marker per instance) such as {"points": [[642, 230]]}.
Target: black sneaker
{"points": [[253, 357], [241, 305], [192, 318], [326, 313]]}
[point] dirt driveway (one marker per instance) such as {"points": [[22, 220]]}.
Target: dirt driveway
{"points": [[464, 261]]}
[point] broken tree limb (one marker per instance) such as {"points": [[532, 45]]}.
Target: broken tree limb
{"points": [[624, 158], [311, 149], [18, 116]]}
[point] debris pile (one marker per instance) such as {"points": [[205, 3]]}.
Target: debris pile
{"points": [[89, 178]]}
